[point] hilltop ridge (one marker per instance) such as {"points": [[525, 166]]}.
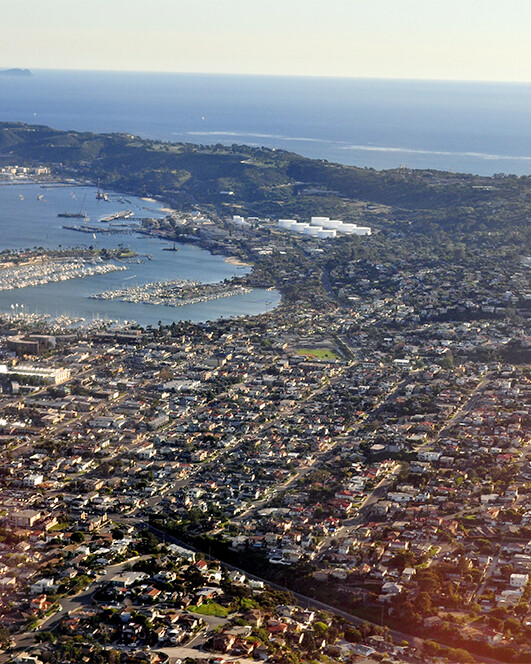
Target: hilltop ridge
{"points": [[257, 181]]}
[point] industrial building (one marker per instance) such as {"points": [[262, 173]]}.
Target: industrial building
{"points": [[39, 375]]}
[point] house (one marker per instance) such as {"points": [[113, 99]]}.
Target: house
{"points": [[39, 603], [389, 590], [26, 658], [276, 627], [223, 642], [237, 577], [45, 585], [131, 632], [160, 633], [150, 594], [127, 579], [32, 480], [253, 617], [518, 580]]}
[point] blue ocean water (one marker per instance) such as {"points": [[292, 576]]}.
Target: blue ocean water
{"points": [[480, 128]]}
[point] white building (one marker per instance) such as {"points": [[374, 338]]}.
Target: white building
{"points": [[40, 374], [33, 480], [45, 585], [518, 580]]}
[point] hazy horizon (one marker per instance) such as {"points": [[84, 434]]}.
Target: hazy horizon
{"points": [[277, 75], [475, 40]]}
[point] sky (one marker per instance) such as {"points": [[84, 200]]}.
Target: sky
{"points": [[426, 39]]}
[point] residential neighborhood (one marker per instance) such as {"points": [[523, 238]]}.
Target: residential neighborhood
{"points": [[344, 477]]}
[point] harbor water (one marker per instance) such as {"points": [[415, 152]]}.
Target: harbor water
{"points": [[28, 219]]}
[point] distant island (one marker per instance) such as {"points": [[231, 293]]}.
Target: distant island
{"points": [[15, 72]]}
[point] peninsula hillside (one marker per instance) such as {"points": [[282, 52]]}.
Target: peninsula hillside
{"points": [[265, 182]]}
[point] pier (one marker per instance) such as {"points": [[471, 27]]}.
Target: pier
{"points": [[99, 229], [124, 214]]}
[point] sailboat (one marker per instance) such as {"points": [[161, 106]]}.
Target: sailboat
{"points": [[100, 196]]}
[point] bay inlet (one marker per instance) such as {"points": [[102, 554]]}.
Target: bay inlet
{"points": [[28, 219]]}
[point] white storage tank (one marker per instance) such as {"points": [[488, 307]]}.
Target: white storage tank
{"points": [[327, 233], [286, 223], [312, 230], [332, 223], [362, 230], [299, 227], [318, 221], [347, 229]]}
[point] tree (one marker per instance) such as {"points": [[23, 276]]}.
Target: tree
{"points": [[114, 657], [521, 609], [423, 603], [148, 542], [5, 636], [320, 628], [512, 625], [460, 655], [46, 637], [77, 537], [352, 634], [498, 612]]}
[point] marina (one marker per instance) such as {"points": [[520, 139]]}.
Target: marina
{"points": [[37, 274], [34, 223], [177, 293]]}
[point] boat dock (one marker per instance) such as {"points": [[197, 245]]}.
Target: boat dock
{"points": [[124, 214], [176, 293]]}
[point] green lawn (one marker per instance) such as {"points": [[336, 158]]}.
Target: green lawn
{"points": [[320, 353], [59, 526], [210, 609]]}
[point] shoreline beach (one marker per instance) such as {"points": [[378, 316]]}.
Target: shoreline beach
{"points": [[234, 260]]}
